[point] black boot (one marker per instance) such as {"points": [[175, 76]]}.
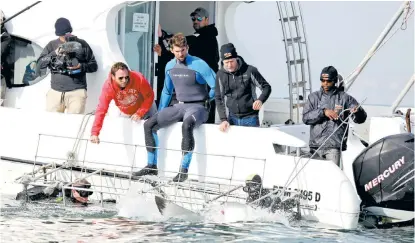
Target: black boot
{"points": [[148, 170], [182, 176]]}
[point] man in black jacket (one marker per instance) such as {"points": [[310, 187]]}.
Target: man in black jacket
{"points": [[325, 111], [202, 44], [164, 56], [69, 59], [237, 81], [205, 46]]}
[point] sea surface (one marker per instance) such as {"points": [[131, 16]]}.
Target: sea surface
{"points": [[46, 222]]}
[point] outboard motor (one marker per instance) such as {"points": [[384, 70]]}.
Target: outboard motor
{"points": [[384, 178]]}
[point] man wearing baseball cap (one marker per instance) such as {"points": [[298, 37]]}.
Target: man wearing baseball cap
{"points": [[324, 113], [238, 82], [204, 45]]}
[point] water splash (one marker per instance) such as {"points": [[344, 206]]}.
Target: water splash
{"points": [[237, 212], [138, 206]]}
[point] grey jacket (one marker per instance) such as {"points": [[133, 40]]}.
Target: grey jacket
{"points": [[321, 126]]}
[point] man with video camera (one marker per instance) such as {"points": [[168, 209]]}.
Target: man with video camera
{"points": [[69, 59]]}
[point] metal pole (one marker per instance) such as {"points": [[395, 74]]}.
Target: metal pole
{"points": [[403, 93], [18, 13], [306, 49], [352, 77]]}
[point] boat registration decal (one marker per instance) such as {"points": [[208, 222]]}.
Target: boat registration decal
{"points": [[305, 194]]}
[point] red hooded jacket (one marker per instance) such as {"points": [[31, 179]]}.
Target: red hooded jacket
{"points": [[136, 98]]}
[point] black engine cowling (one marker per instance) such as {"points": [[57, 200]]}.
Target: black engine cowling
{"points": [[384, 173]]}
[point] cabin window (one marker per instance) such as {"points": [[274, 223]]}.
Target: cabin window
{"points": [[19, 63], [135, 32]]}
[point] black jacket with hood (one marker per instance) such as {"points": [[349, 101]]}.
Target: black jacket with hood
{"points": [[321, 126], [239, 88], [205, 46]]}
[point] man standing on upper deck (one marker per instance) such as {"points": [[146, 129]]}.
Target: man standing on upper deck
{"points": [[204, 45], [190, 76]]}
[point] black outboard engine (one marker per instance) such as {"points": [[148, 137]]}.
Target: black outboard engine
{"points": [[384, 178]]}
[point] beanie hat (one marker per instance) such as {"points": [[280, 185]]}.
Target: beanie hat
{"points": [[62, 26], [228, 51], [329, 73]]}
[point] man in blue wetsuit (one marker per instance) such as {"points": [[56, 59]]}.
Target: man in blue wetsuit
{"points": [[190, 76]]}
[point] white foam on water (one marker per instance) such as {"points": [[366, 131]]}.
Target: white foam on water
{"points": [[138, 206], [135, 205], [237, 212]]}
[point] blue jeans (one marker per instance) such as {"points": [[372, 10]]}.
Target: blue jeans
{"points": [[249, 121]]}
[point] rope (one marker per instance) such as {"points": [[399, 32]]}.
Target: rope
{"points": [[405, 19], [296, 164], [345, 121]]}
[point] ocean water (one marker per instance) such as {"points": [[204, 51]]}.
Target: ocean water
{"points": [[42, 222]]}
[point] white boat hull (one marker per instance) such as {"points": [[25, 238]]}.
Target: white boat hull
{"points": [[225, 158]]}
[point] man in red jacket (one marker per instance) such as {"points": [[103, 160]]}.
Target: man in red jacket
{"points": [[131, 92]]}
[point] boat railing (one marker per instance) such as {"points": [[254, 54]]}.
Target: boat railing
{"points": [[63, 172]]}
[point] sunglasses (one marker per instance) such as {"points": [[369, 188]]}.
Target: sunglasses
{"points": [[126, 78], [196, 18], [326, 80]]}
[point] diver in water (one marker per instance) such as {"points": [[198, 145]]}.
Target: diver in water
{"points": [[39, 193], [253, 186]]}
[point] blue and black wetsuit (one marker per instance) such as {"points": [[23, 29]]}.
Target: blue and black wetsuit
{"points": [[190, 80]]}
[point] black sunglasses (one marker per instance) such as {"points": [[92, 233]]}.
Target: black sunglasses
{"points": [[196, 18], [126, 78]]}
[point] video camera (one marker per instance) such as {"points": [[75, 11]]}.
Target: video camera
{"points": [[68, 55]]}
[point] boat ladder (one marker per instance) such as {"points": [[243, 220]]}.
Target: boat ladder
{"points": [[296, 49]]}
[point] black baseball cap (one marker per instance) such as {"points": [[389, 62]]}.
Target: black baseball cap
{"points": [[201, 12], [329, 73]]}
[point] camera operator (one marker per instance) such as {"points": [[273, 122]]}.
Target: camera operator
{"points": [[69, 59]]}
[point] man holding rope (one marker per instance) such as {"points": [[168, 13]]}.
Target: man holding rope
{"points": [[325, 111]]}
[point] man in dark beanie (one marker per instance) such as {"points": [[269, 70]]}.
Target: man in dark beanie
{"points": [[62, 27], [237, 81], [324, 112], [69, 59]]}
